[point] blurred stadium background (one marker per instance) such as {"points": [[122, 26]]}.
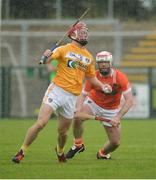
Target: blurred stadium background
{"points": [[126, 28]]}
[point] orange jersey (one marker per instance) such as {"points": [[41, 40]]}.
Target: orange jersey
{"points": [[119, 83], [74, 63]]}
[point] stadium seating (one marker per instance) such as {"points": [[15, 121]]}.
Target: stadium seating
{"points": [[144, 55], [141, 56]]}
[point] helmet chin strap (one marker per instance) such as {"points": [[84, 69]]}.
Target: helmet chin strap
{"points": [[82, 42]]}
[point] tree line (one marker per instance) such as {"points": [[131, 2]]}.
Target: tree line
{"points": [[48, 9]]}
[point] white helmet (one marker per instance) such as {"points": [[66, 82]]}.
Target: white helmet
{"points": [[104, 56]]}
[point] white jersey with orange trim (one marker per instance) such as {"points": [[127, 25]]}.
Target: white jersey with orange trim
{"points": [[74, 63]]}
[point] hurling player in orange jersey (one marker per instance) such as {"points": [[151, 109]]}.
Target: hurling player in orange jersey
{"points": [[74, 64], [93, 102]]}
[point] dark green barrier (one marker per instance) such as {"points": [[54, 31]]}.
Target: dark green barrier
{"points": [[5, 93]]}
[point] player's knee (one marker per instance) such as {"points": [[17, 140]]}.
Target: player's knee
{"points": [[41, 122], [39, 126]]}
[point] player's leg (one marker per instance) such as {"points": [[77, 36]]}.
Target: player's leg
{"points": [[63, 126], [113, 142], [78, 121], [78, 145], [44, 116], [113, 134]]}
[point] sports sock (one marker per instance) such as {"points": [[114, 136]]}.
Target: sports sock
{"points": [[101, 152], [24, 148], [60, 151], [78, 142]]}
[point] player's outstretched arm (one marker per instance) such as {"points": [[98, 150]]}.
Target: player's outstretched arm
{"points": [[106, 88]]}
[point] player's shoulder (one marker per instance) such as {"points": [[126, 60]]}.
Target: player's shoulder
{"points": [[120, 73], [121, 76], [57, 49], [67, 46], [88, 53]]}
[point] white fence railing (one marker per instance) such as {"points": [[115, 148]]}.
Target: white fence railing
{"points": [[28, 44]]}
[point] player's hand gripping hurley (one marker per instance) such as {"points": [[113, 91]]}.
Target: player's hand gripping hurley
{"points": [[44, 58]]}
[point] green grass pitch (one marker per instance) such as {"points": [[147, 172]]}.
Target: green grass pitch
{"points": [[135, 158]]}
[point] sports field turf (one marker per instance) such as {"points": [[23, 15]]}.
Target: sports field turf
{"points": [[135, 158]]}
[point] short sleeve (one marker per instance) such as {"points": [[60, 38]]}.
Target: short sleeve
{"points": [[91, 69], [124, 82], [57, 53]]}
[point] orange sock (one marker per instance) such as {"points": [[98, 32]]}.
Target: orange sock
{"points": [[102, 152], [78, 142]]}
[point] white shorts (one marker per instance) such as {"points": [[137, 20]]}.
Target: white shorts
{"points": [[60, 100], [99, 111]]}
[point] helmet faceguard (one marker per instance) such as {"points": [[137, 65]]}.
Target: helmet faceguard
{"points": [[104, 61], [79, 33]]}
